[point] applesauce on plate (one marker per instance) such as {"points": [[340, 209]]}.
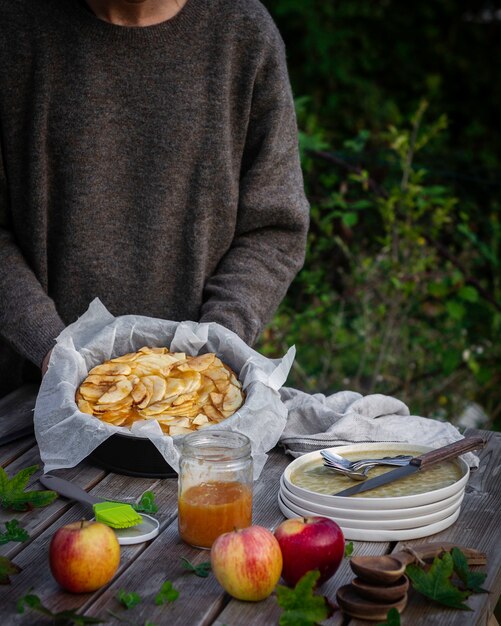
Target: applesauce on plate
{"points": [[315, 477]]}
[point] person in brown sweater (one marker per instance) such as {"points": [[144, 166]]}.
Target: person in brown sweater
{"points": [[148, 157]]}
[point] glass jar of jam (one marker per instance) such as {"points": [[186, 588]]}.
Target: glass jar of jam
{"points": [[215, 486]]}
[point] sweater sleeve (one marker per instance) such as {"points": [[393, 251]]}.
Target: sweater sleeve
{"points": [[28, 317], [270, 237]]}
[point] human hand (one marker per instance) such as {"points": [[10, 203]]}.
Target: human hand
{"points": [[45, 362]]}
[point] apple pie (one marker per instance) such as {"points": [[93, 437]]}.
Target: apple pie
{"points": [[183, 393]]}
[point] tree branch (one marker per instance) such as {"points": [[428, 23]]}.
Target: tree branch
{"points": [[355, 169]]}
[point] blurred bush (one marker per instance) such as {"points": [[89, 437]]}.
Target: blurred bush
{"points": [[400, 292]]}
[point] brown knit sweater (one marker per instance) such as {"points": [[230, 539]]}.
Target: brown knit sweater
{"points": [[155, 168]]}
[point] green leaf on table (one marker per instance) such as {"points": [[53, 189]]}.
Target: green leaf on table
{"points": [[471, 580], [392, 618], [14, 532], [166, 594], [146, 504], [129, 599], [72, 617], [301, 607], [436, 584], [33, 602], [201, 570], [13, 495], [348, 549], [124, 620], [7, 568]]}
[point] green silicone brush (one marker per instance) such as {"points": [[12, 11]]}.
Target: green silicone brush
{"points": [[116, 514], [113, 514]]}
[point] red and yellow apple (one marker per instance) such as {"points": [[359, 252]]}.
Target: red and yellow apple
{"points": [[307, 544], [84, 556], [247, 563]]}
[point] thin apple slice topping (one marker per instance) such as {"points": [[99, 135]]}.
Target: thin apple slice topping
{"points": [[183, 393], [116, 393]]}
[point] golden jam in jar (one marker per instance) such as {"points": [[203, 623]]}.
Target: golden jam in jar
{"points": [[215, 486], [211, 509]]}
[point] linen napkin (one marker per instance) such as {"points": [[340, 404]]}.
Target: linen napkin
{"points": [[317, 421]]}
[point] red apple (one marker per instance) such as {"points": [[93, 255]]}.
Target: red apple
{"points": [[310, 543], [84, 556], [247, 563]]}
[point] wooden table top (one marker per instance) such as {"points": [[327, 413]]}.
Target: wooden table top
{"points": [[144, 567]]}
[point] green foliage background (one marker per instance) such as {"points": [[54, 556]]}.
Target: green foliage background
{"points": [[398, 108]]}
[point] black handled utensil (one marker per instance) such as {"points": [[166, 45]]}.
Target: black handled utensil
{"points": [[417, 464]]}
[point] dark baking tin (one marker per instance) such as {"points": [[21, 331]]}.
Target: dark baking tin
{"points": [[132, 456]]}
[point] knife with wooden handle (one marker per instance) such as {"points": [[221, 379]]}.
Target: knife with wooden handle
{"points": [[417, 464]]}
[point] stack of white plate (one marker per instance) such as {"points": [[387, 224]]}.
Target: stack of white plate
{"points": [[392, 518]]}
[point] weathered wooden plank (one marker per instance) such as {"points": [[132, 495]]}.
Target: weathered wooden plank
{"points": [[42, 523], [345, 575], [16, 410], [267, 514], [36, 576], [201, 599], [265, 491], [16, 423], [128, 488], [37, 520], [11, 451], [144, 568], [253, 615], [268, 612], [84, 475], [477, 527], [34, 557]]}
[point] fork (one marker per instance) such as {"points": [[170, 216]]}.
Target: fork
{"points": [[336, 460], [357, 470], [401, 459]]}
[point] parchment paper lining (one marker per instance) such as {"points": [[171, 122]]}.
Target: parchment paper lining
{"points": [[66, 436]]}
